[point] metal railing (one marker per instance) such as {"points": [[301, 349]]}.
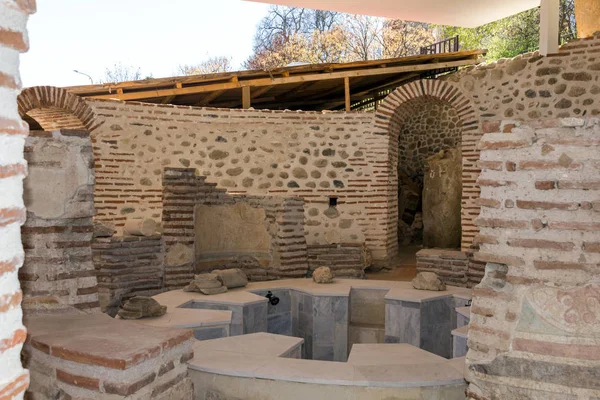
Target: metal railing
{"points": [[450, 45]]}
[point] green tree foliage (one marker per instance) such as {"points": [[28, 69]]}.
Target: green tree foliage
{"points": [[514, 35]]}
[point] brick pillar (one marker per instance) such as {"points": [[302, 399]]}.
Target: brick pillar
{"points": [[13, 40], [535, 328]]}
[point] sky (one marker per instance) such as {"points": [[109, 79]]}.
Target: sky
{"points": [[154, 35]]}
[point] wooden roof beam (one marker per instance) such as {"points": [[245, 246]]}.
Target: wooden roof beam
{"points": [[210, 98], [278, 81], [260, 91]]}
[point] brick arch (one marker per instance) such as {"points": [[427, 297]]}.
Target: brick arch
{"points": [[390, 113], [54, 108]]}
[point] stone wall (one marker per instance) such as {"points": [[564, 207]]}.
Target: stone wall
{"points": [[283, 221], [528, 87], [58, 193], [534, 329], [344, 259], [311, 155], [430, 125], [127, 267], [13, 168]]}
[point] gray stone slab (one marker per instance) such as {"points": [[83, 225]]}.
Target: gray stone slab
{"points": [[402, 322], [209, 333], [459, 348], [436, 326], [280, 324]]}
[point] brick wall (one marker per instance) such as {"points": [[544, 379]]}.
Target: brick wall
{"points": [[276, 153], [127, 267], [345, 259], [535, 329], [183, 190], [528, 87], [451, 266], [13, 41], [57, 235]]}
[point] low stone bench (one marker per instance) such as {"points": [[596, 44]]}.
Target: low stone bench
{"points": [[255, 366], [206, 324], [320, 313]]}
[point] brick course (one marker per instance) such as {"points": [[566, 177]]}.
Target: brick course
{"points": [[13, 40]]}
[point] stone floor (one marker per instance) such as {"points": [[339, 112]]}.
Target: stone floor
{"points": [[402, 268]]}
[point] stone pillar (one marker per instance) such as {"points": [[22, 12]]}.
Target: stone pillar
{"points": [[442, 195], [13, 40], [587, 13]]}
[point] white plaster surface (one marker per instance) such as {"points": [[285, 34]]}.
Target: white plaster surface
{"points": [[388, 365], [189, 318]]}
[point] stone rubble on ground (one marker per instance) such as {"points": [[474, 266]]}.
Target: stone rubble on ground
{"points": [[323, 275], [142, 307], [207, 284], [232, 278], [428, 281]]}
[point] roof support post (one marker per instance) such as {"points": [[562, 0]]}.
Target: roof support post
{"points": [[347, 93], [549, 21], [246, 99]]}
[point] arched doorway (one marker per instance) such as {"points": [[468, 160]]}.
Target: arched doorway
{"points": [[418, 120], [50, 108]]}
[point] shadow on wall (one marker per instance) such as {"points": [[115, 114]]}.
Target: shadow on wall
{"points": [[429, 172]]}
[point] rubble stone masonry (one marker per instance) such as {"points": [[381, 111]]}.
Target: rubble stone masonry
{"points": [[535, 322], [13, 168]]}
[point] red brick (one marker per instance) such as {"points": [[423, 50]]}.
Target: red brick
{"points": [[79, 381], [545, 185], [591, 247], [502, 223], [498, 259], [9, 301], [486, 312], [575, 226], [13, 389], [493, 165], [508, 128], [8, 81], [504, 145], [11, 216], [551, 265], [127, 389], [544, 205], [580, 185], [541, 244], [572, 351], [17, 339], [490, 126], [10, 266], [487, 239], [488, 203], [494, 183], [14, 40], [27, 6], [546, 165]]}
